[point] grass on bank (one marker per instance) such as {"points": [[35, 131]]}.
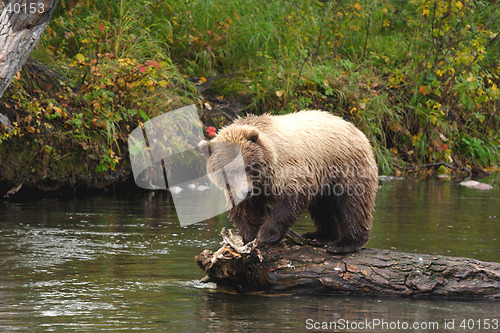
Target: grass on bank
{"points": [[419, 77]]}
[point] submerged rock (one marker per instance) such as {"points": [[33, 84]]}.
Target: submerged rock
{"points": [[476, 185], [384, 178], [175, 189]]}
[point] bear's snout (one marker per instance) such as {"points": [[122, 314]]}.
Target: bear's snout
{"points": [[246, 192]]}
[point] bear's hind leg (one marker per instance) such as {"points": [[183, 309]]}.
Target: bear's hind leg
{"points": [[347, 245], [323, 214], [354, 223]]}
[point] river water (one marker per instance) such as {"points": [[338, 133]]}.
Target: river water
{"points": [[123, 263]]}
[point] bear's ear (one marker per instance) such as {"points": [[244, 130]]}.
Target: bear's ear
{"points": [[203, 148], [252, 134]]}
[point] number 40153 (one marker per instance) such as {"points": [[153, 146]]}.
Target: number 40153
{"points": [[32, 8]]}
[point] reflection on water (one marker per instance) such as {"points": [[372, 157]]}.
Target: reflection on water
{"points": [[123, 263], [438, 218]]}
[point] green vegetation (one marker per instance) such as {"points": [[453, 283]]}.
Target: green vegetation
{"points": [[419, 77]]}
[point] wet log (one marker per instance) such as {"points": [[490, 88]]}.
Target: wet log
{"points": [[297, 268]]}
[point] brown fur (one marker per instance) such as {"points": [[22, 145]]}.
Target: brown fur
{"points": [[308, 159]]}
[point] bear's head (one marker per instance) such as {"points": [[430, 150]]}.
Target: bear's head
{"points": [[236, 158]]}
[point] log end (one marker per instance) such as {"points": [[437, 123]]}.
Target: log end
{"points": [[234, 265]]}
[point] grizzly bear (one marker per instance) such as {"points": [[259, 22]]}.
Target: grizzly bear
{"points": [[308, 159]]}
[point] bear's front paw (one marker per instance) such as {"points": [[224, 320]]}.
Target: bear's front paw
{"points": [[268, 234]]}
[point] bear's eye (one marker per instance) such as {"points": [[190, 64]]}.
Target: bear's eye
{"points": [[255, 166], [253, 170]]}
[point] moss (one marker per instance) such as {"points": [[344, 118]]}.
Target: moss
{"points": [[77, 139], [230, 87], [24, 162]]}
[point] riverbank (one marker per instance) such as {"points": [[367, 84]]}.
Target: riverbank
{"points": [[419, 78]]}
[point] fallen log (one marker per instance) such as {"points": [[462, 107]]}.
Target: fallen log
{"points": [[297, 268]]}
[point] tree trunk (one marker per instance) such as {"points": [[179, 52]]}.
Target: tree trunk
{"points": [[303, 268], [22, 22]]}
